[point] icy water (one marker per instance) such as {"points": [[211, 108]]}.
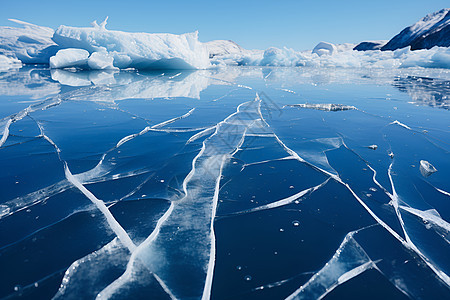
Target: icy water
{"points": [[242, 183]]}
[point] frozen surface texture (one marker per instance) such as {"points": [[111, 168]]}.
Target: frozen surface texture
{"points": [[233, 183], [430, 31]]}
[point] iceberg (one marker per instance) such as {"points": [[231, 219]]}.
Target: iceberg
{"points": [[136, 50], [31, 44]]}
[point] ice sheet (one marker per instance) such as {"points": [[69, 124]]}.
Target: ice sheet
{"points": [[241, 183]]}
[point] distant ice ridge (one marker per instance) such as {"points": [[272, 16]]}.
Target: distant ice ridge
{"points": [[135, 50], [329, 55]]}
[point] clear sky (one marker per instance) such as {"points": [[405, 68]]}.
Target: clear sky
{"points": [[252, 24]]}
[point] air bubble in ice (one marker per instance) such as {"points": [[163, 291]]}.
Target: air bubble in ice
{"points": [[372, 189], [391, 154], [426, 169], [295, 223], [238, 267], [373, 147], [248, 278], [281, 229], [17, 288]]}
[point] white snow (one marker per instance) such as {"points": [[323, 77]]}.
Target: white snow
{"points": [[137, 50]]}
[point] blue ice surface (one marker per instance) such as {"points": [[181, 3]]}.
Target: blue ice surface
{"points": [[234, 183]]}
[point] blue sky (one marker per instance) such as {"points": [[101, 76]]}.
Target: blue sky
{"points": [[253, 24]]}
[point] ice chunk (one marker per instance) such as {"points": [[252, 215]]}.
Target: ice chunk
{"points": [[137, 50], [67, 58], [324, 106], [101, 61], [324, 48], [7, 63], [426, 169]]}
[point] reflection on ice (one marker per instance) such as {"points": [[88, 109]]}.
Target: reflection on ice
{"points": [[426, 91], [179, 184]]}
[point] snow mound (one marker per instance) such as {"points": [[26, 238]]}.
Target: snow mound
{"points": [[30, 44], [222, 47], [137, 50], [432, 30], [7, 63], [324, 48]]}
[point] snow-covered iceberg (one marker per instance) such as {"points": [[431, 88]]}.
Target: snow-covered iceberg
{"points": [[31, 44], [137, 50]]}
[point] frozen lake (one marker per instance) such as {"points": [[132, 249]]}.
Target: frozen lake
{"points": [[234, 183]]}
